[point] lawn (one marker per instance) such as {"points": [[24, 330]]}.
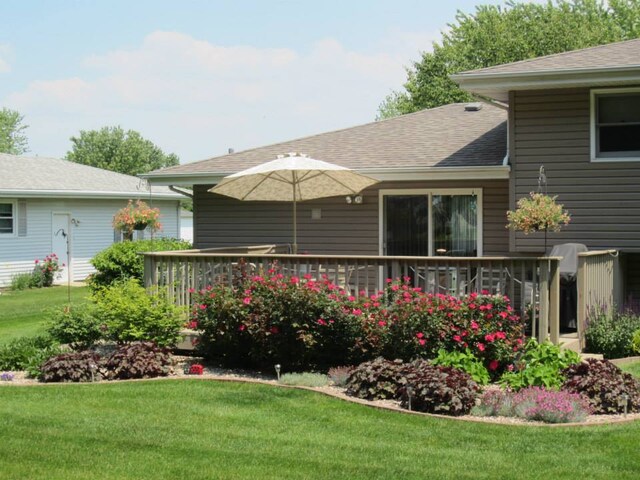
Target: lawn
{"points": [[632, 368], [22, 312], [203, 429]]}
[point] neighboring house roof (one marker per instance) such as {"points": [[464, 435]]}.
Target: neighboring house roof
{"points": [[447, 137], [23, 176], [611, 64]]}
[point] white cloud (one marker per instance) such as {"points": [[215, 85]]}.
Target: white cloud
{"points": [[196, 98]]}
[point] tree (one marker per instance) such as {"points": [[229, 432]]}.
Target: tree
{"points": [[494, 35], [12, 140], [114, 149]]}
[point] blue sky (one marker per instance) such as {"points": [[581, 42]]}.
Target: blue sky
{"points": [[197, 77]]}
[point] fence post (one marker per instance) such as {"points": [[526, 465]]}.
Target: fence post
{"points": [[554, 301], [149, 265], [582, 299]]}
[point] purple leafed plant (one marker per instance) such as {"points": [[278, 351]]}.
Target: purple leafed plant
{"points": [[7, 376]]}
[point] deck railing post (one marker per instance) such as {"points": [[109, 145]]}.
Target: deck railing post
{"points": [[554, 301], [543, 322], [149, 266]]}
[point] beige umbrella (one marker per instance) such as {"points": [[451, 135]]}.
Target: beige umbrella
{"points": [[293, 178]]}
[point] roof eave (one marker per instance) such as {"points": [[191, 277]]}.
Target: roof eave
{"points": [[493, 172], [497, 85], [25, 193]]}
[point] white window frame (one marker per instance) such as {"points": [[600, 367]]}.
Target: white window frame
{"points": [[592, 124], [14, 218], [430, 192]]}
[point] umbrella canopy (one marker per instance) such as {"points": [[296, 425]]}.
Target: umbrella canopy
{"points": [[293, 178]]}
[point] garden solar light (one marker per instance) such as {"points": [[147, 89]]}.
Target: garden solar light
{"points": [[409, 395], [93, 367], [277, 367], [624, 402]]}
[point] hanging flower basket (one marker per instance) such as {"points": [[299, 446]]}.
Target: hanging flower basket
{"points": [[138, 216]]}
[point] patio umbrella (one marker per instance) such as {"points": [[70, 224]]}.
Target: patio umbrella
{"points": [[293, 178]]}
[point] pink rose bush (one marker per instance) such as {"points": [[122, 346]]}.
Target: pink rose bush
{"points": [[308, 323]]}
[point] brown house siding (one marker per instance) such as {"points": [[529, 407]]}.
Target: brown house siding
{"points": [[343, 229], [553, 128]]}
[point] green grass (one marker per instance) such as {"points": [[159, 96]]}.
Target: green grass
{"points": [[632, 368], [208, 430], [22, 313]]}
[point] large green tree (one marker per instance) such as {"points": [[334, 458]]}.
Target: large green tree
{"points": [[494, 35], [114, 149], [12, 137]]}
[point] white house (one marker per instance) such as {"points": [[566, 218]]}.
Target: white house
{"points": [[49, 205]]}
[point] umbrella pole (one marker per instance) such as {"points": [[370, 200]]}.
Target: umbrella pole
{"points": [[295, 215]]}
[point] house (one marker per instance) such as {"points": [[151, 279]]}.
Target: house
{"points": [[46, 201], [449, 174]]}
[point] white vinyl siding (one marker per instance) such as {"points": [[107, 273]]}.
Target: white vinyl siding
{"points": [[91, 232]]}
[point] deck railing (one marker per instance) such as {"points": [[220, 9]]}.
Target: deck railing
{"points": [[531, 283], [599, 285]]}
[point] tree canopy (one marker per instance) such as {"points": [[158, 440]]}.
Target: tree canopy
{"points": [[114, 149], [12, 138], [494, 35]]}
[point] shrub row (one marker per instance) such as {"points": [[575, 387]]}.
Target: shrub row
{"points": [[308, 324], [135, 360], [611, 333]]}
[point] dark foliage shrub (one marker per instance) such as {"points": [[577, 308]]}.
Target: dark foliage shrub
{"points": [[439, 389], [611, 333], [308, 324], [540, 365], [378, 379], [72, 367], [79, 327], [28, 353], [122, 260], [138, 360], [604, 384], [339, 375], [131, 313]]}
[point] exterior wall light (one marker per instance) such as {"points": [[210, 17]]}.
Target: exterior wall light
{"points": [[357, 199]]}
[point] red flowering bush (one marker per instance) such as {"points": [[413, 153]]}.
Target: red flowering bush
{"points": [[196, 369], [45, 271], [304, 323]]}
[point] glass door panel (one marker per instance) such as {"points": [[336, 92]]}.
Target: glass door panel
{"points": [[455, 225], [406, 225]]}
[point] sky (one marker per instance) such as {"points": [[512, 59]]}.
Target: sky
{"points": [[198, 77]]}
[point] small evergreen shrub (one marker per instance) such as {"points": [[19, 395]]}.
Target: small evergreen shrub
{"points": [[304, 379], [131, 314], [465, 361], [122, 260], [378, 379], [541, 365], [138, 360], [605, 385], [72, 367], [439, 389], [28, 353], [78, 326], [339, 375], [611, 333]]}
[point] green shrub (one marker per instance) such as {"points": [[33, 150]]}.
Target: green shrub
{"points": [[541, 365], [138, 360], [45, 271], [130, 314], [21, 281], [304, 379], [611, 333], [465, 361], [378, 379], [79, 326], [122, 261], [72, 367], [635, 342], [438, 389], [28, 353], [605, 385]]}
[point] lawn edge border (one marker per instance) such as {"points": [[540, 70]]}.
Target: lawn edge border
{"points": [[339, 396]]}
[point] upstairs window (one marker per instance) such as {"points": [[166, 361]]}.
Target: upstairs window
{"points": [[7, 217], [615, 124]]}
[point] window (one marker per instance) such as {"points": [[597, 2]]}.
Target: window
{"points": [[7, 217], [431, 223], [615, 124]]}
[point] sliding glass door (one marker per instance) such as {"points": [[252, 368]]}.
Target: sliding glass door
{"points": [[431, 223]]}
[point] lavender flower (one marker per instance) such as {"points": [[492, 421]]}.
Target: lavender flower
{"points": [[7, 376]]}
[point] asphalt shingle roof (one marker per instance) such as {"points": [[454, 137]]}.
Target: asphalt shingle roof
{"points": [[619, 54], [53, 174], [446, 136]]}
